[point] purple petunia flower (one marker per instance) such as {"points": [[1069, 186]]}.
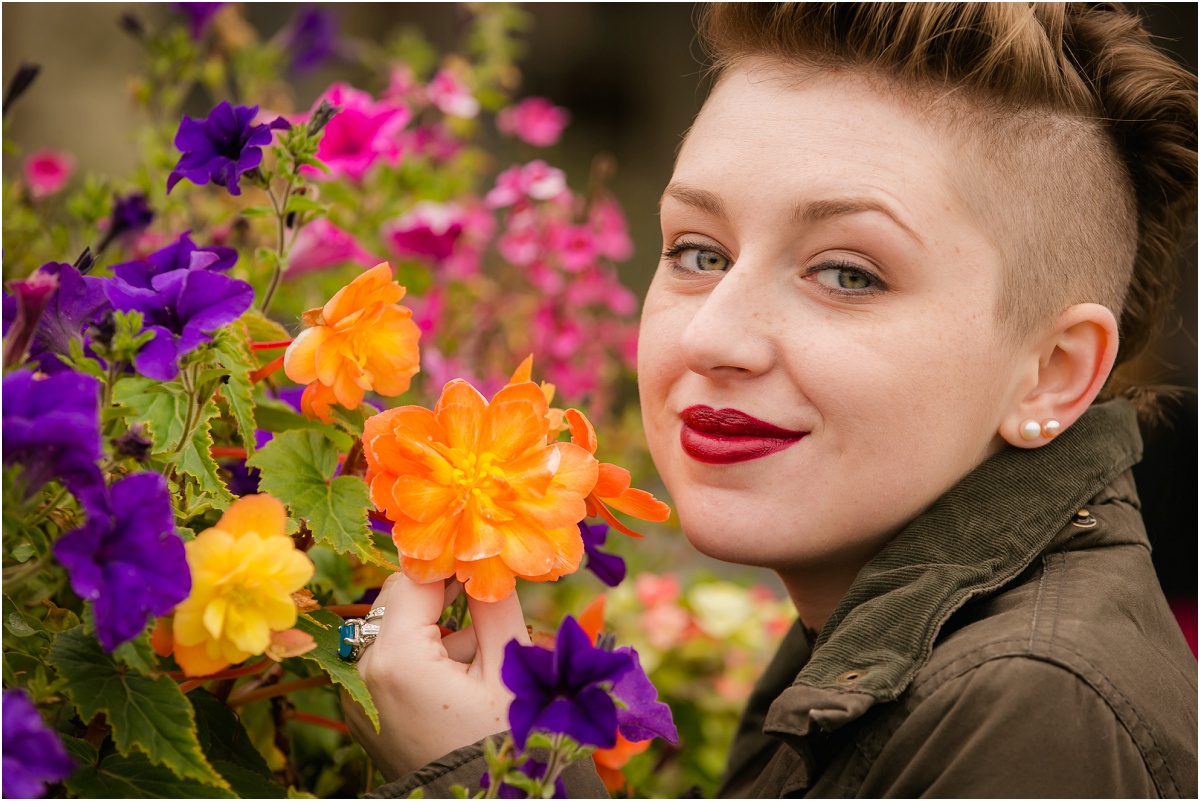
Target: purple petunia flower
{"points": [[311, 38], [130, 215], [199, 16], [77, 302], [643, 716], [608, 567], [52, 429], [534, 770], [182, 298], [222, 146], [127, 559], [33, 754], [562, 691]]}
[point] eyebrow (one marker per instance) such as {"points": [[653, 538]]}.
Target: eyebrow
{"points": [[815, 211]]}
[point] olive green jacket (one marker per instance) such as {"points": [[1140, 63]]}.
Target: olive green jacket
{"points": [[1012, 641]]}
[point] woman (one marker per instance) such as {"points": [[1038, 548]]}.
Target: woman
{"points": [[905, 246]]}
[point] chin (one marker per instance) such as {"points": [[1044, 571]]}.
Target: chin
{"points": [[730, 539]]}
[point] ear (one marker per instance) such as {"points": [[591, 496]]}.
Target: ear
{"points": [[1073, 361]]}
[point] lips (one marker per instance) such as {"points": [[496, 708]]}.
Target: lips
{"points": [[726, 436]]}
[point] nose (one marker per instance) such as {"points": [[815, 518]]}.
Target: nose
{"points": [[730, 334]]}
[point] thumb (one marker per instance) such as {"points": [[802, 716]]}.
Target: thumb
{"points": [[495, 624]]}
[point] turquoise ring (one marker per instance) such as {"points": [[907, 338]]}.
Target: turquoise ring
{"points": [[354, 635]]}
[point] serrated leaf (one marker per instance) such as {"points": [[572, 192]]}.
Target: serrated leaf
{"points": [[247, 783], [137, 654], [222, 736], [163, 409], [263, 329], [298, 467], [324, 625], [276, 416], [147, 714], [132, 776], [233, 354]]}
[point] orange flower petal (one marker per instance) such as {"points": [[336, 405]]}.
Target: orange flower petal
{"points": [[611, 481], [300, 358], [371, 286], [527, 551], [195, 661], [640, 504], [258, 514], [477, 537], [423, 571], [426, 541], [524, 371], [348, 391], [604, 514], [424, 500], [527, 392], [568, 553], [530, 475], [459, 412], [317, 401], [582, 433], [511, 428], [382, 485], [487, 579], [591, 619]]}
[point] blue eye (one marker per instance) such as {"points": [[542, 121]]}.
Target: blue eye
{"points": [[845, 278], [694, 258]]}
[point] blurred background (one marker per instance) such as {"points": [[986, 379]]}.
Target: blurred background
{"points": [[630, 75]]}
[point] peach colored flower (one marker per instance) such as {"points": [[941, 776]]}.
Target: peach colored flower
{"points": [[362, 339], [612, 487], [475, 490]]}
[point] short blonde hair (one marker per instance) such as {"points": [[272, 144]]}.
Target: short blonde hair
{"points": [[1071, 105]]}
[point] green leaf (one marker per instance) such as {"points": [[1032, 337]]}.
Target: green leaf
{"points": [[151, 715], [137, 654], [163, 409], [257, 211], [132, 776], [222, 737], [263, 329], [248, 784], [233, 354], [323, 626], [302, 203], [276, 416], [297, 468]]}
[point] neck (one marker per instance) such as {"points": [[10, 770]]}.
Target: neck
{"points": [[816, 592]]}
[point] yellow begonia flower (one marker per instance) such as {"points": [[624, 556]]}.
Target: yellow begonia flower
{"points": [[244, 571]]}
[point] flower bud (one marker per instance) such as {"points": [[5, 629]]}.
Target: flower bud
{"points": [[134, 444], [321, 117], [19, 83]]}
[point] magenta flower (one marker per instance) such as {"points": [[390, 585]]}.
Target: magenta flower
{"points": [[429, 230], [523, 240], [47, 171], [321, 244], [127, 559], [76, 302], [534, 120], [564, 691], [222, 146], [575, 245], [28, 302], [451, 96], [33, 754], [612, 233], [608, 567], [537, 180], [359, 135], [51, 428]]}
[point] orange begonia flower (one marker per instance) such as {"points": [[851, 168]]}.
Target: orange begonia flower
{"points": [[362, 339], [609, 761], [475, 490], [612, 486]]}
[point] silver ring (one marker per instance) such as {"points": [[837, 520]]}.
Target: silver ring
{"points": [[355, 634], [374, 613]]}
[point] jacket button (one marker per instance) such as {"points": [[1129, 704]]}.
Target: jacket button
{"points": [[851, 676], [1083, 519]]}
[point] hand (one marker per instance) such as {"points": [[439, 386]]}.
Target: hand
{"points": [[433, 695]]}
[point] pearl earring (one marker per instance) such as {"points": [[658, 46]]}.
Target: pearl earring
{"points": [[1051, 428], [1031, 430]]}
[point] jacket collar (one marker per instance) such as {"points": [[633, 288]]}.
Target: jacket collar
{"points": [[978, 536]]}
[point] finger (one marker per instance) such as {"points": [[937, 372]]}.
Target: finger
{"points": [[453, 588], [461, 645], [408, 627], [495, 624]]}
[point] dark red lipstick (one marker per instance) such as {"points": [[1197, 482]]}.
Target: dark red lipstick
{"points": [[726, 436]]}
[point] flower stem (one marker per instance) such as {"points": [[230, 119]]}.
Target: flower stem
{"points": [[279, 343], [319, 720], [266, 369], [224, 452], [280, 207], [554, 766], [50, 506], [278, 689]]}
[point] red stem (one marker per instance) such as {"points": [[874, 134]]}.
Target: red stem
{"points": [[349, 610], [266, 370], [279, 343], [278, 689], [224, 452], [319, 720]]}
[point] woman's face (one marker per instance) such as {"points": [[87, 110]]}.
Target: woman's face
{"points": [[818, 359]]}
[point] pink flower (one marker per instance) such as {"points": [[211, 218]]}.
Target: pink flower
{"points": [[665, 625], [403, 87], [601, 287], [536, 180], [612, 234], [320, 244], [575, 245], [521, 243], [360, 134], [428, 230], [47, 171], [434, 142], [653, 590], [535, 120], [479, 226], [451, 96], [427, 313]]}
